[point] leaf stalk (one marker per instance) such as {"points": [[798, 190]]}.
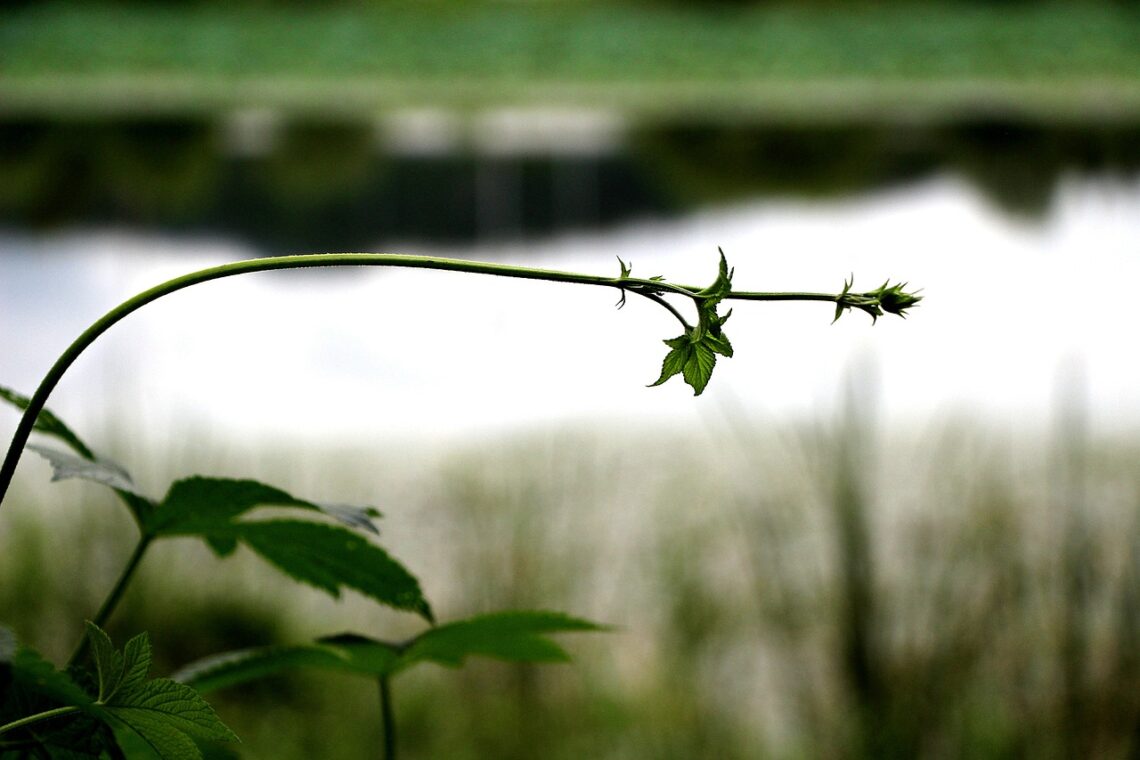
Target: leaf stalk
{"points": [[30, 719]]}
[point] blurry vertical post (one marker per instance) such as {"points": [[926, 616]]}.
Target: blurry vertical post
{"points": [[1078, 556], [857, 630]]}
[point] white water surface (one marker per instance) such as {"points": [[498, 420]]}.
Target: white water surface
{"points": [[368, 355]]}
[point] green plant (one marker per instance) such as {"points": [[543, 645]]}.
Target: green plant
{"points": [[103, 705]]}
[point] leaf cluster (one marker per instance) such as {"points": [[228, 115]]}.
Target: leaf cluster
{"points": [[91, 712], [331, 555], [513, 636], [692, 354], [104, 706]]}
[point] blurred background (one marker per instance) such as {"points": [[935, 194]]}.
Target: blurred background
{"points": [[917, 539]]}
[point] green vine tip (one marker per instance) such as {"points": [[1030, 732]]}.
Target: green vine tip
{"points": [[886, 299]]}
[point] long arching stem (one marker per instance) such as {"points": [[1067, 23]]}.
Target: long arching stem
{"points": [[650, 288]]}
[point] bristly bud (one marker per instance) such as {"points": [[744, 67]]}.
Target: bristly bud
{"points": [[887, 299], [894, 300]]}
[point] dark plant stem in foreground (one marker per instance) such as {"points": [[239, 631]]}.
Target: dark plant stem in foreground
{"points": [[113, 598], [387, 718], [873, 303]]}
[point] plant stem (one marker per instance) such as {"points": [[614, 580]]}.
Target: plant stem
{"points": [[39, 399], [114, 597], [46, 715], [388, 718]]}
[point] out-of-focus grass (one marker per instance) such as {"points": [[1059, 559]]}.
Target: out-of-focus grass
{"points": [[777, 593], [627, 55]]}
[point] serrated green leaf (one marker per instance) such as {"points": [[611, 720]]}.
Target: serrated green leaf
{"points": [[516, 636], [133, 746], [719, 344], [197, 505], [66, 465], [47, 423], [693, 355], [699, 367], [162, 714], [163, 701], [232, 668], [363, 655], [331, 558], [681, 347], [136, 662], [109, 662], [163, 739], [347, 653], [722, 285]]}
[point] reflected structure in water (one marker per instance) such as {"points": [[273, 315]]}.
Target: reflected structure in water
{"points": [[437, 177]]}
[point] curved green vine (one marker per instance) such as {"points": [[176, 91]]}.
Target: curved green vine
{"points": [[692, 354]]}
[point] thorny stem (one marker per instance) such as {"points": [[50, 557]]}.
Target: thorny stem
{"points": [[653, 289]]}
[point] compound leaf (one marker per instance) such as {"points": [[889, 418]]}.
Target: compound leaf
{"points": [[167, 716], [680, 349], [516, 636], [699, 367], [232, 668], [346, 653], [693, 354], [331, 557], [86, 465]]}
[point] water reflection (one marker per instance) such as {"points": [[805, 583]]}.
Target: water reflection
{"points": [[335, 186]]}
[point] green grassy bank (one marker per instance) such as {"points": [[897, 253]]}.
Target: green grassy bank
{"points": [[781, 61]]}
